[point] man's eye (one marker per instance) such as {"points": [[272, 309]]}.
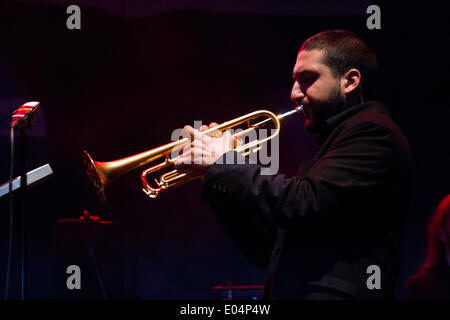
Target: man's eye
{"points": [[307, 79]]}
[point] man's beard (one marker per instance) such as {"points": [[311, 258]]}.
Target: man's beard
{"points": [[322, 111]]}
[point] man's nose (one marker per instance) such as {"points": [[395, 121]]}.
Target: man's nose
{"points": [[296, 93]]}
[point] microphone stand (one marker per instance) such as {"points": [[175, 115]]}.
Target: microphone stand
{"points": [[23, 148], [22, 118]]}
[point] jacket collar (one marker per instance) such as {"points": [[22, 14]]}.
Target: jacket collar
{"points": [[334, 121]]}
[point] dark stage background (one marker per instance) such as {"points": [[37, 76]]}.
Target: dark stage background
{"points": [[138, 70]]}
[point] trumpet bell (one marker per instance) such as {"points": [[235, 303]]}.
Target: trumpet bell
{"points": [[95, 175]]}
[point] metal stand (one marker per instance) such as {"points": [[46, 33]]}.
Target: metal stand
{"points": [[23, 146], [91, 252], [88, 229], [33, 177]]}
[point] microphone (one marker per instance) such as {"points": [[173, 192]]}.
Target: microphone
{"points": [[26, 116]]}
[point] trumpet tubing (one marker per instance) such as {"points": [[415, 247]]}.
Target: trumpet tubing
{"points": [[103, 173]]}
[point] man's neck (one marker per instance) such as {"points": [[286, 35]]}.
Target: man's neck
{"points": [[354, 99]]}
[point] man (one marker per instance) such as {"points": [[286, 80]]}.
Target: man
{"points": [[334, 230]]}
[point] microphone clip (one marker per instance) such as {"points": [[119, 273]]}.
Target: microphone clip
{"points": [[26, 116]]}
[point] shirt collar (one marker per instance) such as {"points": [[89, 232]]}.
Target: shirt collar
{"points": [[332, 122]]}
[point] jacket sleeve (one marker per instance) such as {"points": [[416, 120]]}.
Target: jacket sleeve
{"points": [[252, 206]]}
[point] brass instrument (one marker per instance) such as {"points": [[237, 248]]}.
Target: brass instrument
{"points": [[102, 173]]}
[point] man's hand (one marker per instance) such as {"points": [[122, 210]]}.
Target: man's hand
{"points": [[203, 150]]}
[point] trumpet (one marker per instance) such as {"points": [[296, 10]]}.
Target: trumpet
{"points": [[103, 173]]}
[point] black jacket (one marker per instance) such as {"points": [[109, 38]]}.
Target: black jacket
{"points": [[343, 212]]}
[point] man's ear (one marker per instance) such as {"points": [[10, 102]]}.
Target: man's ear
{"points": [[351, 80]]}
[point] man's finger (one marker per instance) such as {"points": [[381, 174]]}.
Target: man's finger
{"points": [[188, 132], [197, 144], [185, 150], [181, 161], [217, 134], [196, 134]]}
